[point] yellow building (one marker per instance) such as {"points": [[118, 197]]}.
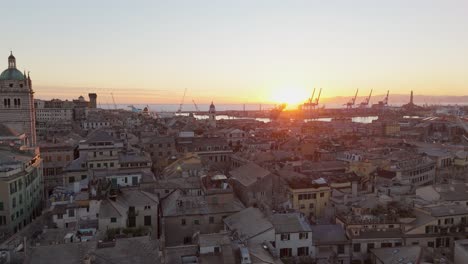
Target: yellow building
{"points": [[309, 197]]}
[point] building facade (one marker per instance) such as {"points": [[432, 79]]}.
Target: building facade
{"points": [[20, 188]]}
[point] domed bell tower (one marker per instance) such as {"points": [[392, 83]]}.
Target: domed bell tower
{"points": [[17, 102], [212, 116]]}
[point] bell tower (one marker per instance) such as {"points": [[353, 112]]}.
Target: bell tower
{"points": [[17, 102], [212, 116]]}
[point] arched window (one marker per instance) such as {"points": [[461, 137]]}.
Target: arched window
{"points": [[18, 101]]}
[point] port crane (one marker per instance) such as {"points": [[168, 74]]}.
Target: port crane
{"points": [[312, 97], [182, 102], [196, 106], [113, 100], [311, 104], [317, 99], [366, 101], [351, 103], [384, 102]]}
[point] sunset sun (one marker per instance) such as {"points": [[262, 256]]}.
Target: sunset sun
{"points": [[292, 96]]}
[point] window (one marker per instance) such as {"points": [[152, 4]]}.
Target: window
{"points": [[302, 206], [14, 202], [147, 220], [322, 194], [71, 212], [196, 222], [59, 216], [83, 177], [302, 251], [385, 245], [311, 206], [113, 220], [284, 237], [285, 252], [211, 220], [1, 206], [370, 246], [71, 179], [12, 187], [187, 240], [147, 207], [357, 247], [303, 235], [182, 222], [430, 244], [397, 244], [340, 249]]}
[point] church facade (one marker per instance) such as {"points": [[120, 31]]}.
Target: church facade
{"points": [[17, 102]]}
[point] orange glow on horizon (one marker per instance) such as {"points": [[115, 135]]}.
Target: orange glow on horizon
{"points": [[290, 95]]}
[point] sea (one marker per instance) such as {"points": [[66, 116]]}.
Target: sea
{"points": [[163, 109]]}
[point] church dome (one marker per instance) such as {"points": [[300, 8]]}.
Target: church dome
{"points": [[12, 74]]}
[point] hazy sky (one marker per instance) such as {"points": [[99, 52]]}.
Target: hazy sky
{"points": [[237, 51]]}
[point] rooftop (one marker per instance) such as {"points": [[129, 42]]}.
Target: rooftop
{"points": [[248, 223], [290, 223], [328, 234], [176, 204], [249, 173], [403, 255], [126, 251]]}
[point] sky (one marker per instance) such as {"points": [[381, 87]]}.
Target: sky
{"points": [[242, 51]]}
